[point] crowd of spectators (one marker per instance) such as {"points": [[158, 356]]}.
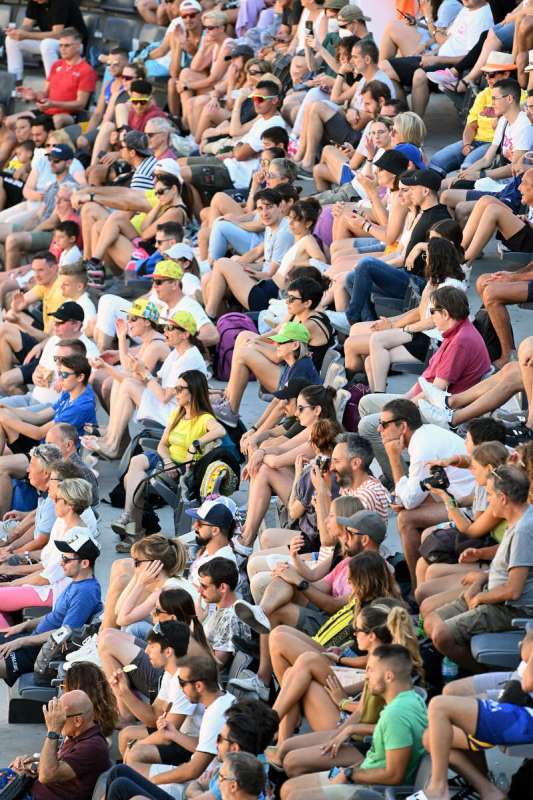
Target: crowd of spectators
{"points": [[253, 196]]}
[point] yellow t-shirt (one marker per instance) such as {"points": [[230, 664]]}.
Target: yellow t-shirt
{"points": [[183, 435], [51, 298]]}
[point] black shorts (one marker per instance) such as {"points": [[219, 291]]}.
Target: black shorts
{"points": [[522, 241], [261, 294], [173, 754], [337, 130], [418, 346], [405, 68], [19, 661], [209, 173]]}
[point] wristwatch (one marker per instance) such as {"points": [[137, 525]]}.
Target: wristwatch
{"points": [[303, 585], [53, 735]]}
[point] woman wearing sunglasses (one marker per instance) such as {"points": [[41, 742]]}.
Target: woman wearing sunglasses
{"points": [[190, 429], [152, 394], [41, 583]]}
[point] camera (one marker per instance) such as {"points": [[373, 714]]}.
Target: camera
{"points": [[323, 463], [437, 480]]}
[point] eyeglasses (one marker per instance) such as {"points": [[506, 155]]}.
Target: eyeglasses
{"points": [[435, 309], [66, 560], [161, 281], [384, 423], [292, 298], [64, 374], [299, 409]]}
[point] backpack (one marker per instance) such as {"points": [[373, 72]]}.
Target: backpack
{"points": [[485, 327], [229, 326], [351, 416]]}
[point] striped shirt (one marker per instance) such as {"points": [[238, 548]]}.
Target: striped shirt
{"points": [[143, 177], [372, 495]]}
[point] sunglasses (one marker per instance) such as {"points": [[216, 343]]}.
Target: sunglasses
{"points": [[64, 374], [384, 423]]}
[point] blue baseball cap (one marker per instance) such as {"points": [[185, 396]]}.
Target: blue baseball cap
{"points": [[412, 152]]}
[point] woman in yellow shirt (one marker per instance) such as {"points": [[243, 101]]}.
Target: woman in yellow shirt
{"points": [[190, 428]]}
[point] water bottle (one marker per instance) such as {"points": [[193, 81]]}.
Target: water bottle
{"points": [[450, 670]]}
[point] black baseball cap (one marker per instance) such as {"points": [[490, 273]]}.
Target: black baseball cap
{"points": [[292, 389], [392, 161], [69, 311], [422, 177]]}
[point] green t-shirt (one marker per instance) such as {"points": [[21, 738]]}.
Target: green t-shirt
{"points": [[401, 724]]}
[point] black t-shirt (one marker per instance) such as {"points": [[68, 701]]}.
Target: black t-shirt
{"points": [[420, 232], [57, 12]]}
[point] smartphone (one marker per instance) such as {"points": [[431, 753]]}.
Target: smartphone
{"points": [[309, 27]]}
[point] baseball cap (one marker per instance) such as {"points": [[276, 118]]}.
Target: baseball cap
{"points": [[179, 251], [213, 500], [145, 309], [190, 5], [392, 161], [499, 62], [138, 141], [183, 320], [69, 311], [168, 269], [79, 541], [214, 513], [351, 13], [241, 50], [422, 177], [336, 5], [291, 332], [168, 166], [412, 152], [292, 389], [366, 523], [61, 152]]}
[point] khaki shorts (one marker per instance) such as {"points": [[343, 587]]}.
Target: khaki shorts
{"points": [[465, 623]]}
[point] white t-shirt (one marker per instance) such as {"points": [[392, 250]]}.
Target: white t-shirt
{"points": [[517, 135], [241, 172], [43, 394], [212, 723], [465, 30], [173, 366]]}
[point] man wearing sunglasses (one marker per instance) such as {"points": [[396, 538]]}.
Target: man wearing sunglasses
{"points": [[209, 174], [20, 644]]}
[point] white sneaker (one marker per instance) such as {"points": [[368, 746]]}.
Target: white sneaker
{"points": [[253, 684], [434, 395], [253, 616], [435, 416], [87, 652]]}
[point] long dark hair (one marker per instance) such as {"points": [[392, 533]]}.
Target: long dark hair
{"points": [[442, 262], [180, 603], [323, 396], [200, 402]]}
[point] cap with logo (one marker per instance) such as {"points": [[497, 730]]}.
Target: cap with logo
{"points": [[292, 389], [168, 269], [144, 309], [80, 542], [180, 251], [69, 311], [499, 62], [365, 523], [214, 513], [183, 319], [138, 141], [61, 152], [351, 13], [291, 332], [422, 177]]}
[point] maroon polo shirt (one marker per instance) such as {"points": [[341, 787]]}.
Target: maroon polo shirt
{"points": [[88, 756]]}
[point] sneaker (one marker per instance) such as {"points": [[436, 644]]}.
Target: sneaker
{"points": [[434, 395], [442, 76], [253, 616], [87, 652], [435, 416], [225, 413], [339, 320], [253, 684]]}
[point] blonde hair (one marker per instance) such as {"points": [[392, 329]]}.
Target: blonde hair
{"points": [[171, 552]]}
